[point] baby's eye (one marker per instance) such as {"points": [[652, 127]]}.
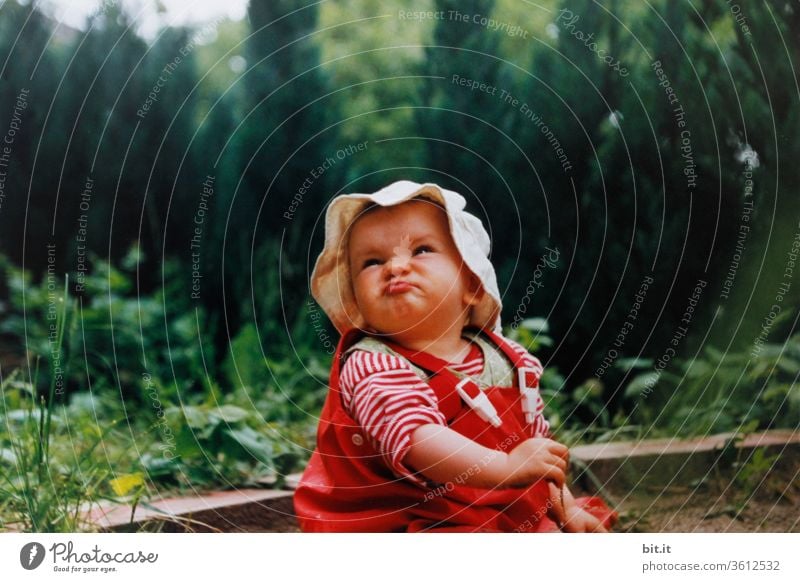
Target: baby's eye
{"points": [[423, 249], [371, 262]]}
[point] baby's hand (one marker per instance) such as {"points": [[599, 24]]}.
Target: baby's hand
{"points": [[580, 521], [556, 502], [535, 459]]}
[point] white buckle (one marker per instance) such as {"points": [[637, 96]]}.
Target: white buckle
{"points": [[529, 394], [529, 402], [481, 404]]}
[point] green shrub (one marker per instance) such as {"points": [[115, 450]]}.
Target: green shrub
{"points": [[114, 334], [719, 392]]}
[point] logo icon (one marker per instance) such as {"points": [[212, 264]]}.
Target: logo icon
{"points": [[31, 555]]}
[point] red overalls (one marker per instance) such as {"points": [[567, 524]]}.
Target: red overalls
{"points": [[347, 487]]}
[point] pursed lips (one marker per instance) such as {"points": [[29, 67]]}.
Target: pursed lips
{"points": [[398, 287]]}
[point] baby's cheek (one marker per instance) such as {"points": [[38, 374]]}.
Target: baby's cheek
{"points": [[365, 288], [357, 287]]}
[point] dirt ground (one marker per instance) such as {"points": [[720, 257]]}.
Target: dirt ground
{"points": [[720, 504]]}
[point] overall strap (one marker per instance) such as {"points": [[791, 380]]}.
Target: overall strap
{"points": [[453, 392], [527, 377], [501, 343], [443, 381]]}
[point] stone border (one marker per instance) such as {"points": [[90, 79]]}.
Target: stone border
{"points": [[240, 510], [624, 466]]}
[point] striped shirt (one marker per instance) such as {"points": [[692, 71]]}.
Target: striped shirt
{"points": [[383, 394]]}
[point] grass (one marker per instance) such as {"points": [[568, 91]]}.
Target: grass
{"points": [[39, 492]]}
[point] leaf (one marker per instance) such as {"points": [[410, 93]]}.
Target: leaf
{"points": [[641, 383], [777, 392], [123, 484], [698, 369], [535, 324], [748, 428], [714, 353], [230, 413], [628, 364], [195, 417], [789, 365], [771, 351], [23, 387], [253, 442]]}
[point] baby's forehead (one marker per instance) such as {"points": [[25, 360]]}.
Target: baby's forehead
{"points": [[412, 215], [415, 218]]}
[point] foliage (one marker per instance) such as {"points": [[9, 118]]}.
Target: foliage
{"points": [[182, 428], [225, 445], [723, 391], [114, 334], [39, 491], [43, 489]]}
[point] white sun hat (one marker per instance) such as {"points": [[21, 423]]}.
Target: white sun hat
{"points": [[330, 281]]}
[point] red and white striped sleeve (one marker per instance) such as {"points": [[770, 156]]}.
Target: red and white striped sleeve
{"points": [[389, 400], [541, 427]]}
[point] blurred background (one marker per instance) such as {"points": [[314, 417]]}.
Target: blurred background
{"points": [[165, 169]]}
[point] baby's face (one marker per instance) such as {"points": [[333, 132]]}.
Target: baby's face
{"points": [[407, 274]]}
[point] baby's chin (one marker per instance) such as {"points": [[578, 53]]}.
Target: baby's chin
{"points": [[389, 331], [401, 330], [400, 319]]}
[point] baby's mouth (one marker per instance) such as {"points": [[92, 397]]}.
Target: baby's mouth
{"points": [[398, 287]]}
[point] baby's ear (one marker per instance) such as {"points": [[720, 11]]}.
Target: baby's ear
{"points": [[474, 292]]}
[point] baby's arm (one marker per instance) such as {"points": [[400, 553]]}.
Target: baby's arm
{"points": [[443, 455]]}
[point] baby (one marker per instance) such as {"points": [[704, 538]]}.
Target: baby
{"points": [[433, 421]]}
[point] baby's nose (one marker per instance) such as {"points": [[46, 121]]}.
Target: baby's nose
{"points": [[401, 256], [399, 265]]}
